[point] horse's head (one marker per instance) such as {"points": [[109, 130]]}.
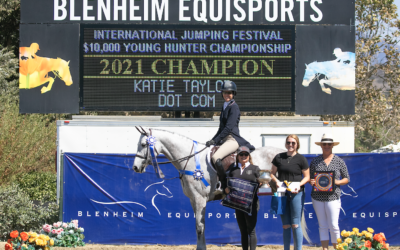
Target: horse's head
{"points": [[143, 157], [309, 75], [64, 73]]}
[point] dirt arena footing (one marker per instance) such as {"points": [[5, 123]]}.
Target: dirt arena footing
{"points": [[180, 247]]}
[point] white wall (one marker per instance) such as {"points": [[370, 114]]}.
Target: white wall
{"points": [[123, 139]]}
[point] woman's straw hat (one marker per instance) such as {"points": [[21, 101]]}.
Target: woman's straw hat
{"points": [[327, 138]]}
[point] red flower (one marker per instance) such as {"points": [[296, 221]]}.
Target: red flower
{"points": [[8, 247], [380, 237], [24, 236], [14, 234], [368, 244], [386, 246]]}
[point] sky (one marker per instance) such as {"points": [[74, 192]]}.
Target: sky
{"points": [[397, 2]]}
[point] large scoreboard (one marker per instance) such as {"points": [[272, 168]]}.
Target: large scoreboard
{"points": [[183, 68], [174, 55]]}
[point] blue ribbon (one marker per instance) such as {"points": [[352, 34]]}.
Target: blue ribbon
{"points": [[197, 160]]}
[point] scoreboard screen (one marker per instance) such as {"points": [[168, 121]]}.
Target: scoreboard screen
{"points": [[182, 67]]}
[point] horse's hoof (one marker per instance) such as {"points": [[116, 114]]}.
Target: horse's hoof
{"points": [[43, 90]]}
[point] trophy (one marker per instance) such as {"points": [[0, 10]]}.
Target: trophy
{"points": [[265, 177], [324, 182]]}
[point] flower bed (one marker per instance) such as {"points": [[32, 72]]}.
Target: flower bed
{"points": [[365, 240], [65, 234], [28, 241], [59, 234]]}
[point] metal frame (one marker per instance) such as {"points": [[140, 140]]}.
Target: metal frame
{"points": [[61, 195]]}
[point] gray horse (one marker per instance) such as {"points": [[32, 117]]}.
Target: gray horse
{"points": [[175, 146]]}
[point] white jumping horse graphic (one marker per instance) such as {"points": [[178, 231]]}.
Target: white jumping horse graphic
{"points": [[337, 74]]}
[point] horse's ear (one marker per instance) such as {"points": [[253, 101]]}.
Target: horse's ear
{"points": [[306, 65], [68, 62], [144, 131], [139, 130]]}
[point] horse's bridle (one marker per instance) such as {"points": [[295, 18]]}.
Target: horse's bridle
{"points": [[151, 157], [316, 76], [143, 132], [57, 74], [147, 156]]}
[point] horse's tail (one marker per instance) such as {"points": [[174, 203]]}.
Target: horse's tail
{"points": [[304, 228]]}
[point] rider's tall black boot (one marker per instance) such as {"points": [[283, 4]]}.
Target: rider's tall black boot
{"points": [[221, 174]]}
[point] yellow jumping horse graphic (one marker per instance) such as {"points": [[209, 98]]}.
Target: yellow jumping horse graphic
{"points": [[34, 70]]}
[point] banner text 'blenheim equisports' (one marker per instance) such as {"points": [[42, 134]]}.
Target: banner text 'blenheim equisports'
{"points": [[197, 11]]}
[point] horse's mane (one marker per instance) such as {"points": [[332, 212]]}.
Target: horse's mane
{"points": [[175, 134]]}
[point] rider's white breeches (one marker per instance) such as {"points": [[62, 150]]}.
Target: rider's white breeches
{"points": [[228, 146]]}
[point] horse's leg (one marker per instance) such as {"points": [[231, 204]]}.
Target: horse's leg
{"points": [[325, 89], [48, 88], [199, 208]]}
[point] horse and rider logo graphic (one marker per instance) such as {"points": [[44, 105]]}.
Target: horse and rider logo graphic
{"points": [[338, 73], [34, 70]]}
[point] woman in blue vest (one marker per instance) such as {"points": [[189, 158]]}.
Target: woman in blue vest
{"points": [[228, 136]]}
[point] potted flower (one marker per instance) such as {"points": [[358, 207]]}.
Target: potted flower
{"points": [[17, 241], [65, 234], [365, 240]]}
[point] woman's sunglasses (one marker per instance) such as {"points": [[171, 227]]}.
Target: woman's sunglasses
{"points": [[290, 143], [244, 154]]}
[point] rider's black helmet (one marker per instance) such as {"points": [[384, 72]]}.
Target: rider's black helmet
{"points": [[229, 86]]}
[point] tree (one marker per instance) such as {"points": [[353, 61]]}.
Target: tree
{"points": [[377, 74], [8, 77], [9, 39], [9, 24]]}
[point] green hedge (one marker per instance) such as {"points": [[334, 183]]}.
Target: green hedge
{"points": [[41, 186], [27, 143], [17, 212]]}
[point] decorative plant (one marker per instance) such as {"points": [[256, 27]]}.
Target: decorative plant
{"points": [[28, 241], [65, 234], [19, 213], [39, 186], [365, 240]]}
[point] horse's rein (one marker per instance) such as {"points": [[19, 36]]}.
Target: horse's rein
{"points": [[143, 132], [57, 74], [183, 158]]}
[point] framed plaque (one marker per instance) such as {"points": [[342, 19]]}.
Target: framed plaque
{"points": [[324, 181]]}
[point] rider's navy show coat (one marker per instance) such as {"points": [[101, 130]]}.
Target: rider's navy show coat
{"points": [[229, 125]]}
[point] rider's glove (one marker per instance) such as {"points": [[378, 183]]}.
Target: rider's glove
{"points": [[209, 143]]}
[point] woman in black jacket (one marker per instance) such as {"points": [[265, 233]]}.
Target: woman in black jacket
{"points": [[228, 135], [245, 170]]}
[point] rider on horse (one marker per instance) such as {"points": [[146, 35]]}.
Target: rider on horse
{"points": [[228, 136]]}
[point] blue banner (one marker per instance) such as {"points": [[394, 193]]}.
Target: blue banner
{"points": [[115, 205]]}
